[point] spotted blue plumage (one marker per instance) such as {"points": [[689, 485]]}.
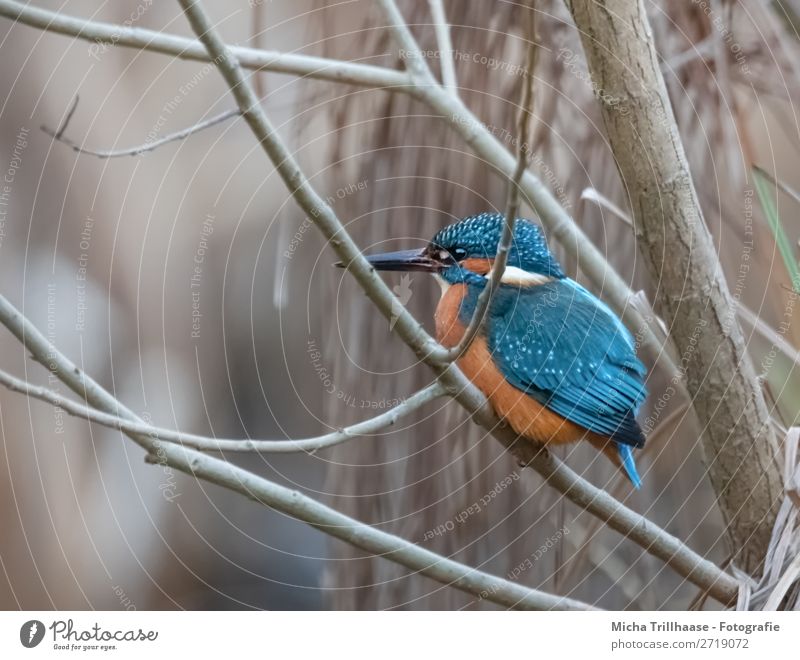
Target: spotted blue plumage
{"points": [[555, 340], [558, 344]]}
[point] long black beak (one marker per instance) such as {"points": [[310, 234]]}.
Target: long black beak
{"points": [[404, 260]]}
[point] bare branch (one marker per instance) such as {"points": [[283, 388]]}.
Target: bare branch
{"points": [[57, 135], [552, 214], [654, 540], [257, 37], [406, 43], [423, 87], [290, 502], [206, 443], [445, 45], [147, 146], [698, 50], [633, 525], [512, 206], [738, 441], [594, 195], [109, 34], [637, 528], [299, 187], [778, 183]]}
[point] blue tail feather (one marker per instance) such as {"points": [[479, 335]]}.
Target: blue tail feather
{"points": [[626, 456]]}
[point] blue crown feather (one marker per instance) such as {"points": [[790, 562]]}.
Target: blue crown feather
{"points": [[479, 235]]}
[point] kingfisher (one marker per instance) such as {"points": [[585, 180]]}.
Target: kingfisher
{"points": [[552, 359]]}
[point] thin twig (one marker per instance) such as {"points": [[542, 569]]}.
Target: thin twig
{"points": [[512, 206], [702, 596], [105, 34], [777, 182], [618, 488], [594, 195], [560, 225], [634, 526], [257, 37], [57, 135], [285, 500], [698, 50], [442, 28], [414, 63], [147, 146], [423, 87], [638, 528], [599, 503], [299, 187], [206, 443], [720, 377]]}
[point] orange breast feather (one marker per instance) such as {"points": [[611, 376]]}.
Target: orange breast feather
{"points": [[525, 415]]}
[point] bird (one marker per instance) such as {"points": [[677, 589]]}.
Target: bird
{"points": [[553, 360]]}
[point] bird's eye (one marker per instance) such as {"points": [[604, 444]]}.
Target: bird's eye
{"points": [[459, 253]]}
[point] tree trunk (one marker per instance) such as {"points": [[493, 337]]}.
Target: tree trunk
{"points": [[692, 295]]}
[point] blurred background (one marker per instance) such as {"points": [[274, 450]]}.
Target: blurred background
{"points": [[188, 283]]}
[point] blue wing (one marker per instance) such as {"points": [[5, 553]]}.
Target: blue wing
{"points": [[565, 348]]}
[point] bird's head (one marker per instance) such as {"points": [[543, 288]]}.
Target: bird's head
{"points": [[465, 250]]}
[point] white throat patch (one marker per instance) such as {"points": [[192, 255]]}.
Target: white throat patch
{"points": [[443, 283], [519, 277], [511, 275]]}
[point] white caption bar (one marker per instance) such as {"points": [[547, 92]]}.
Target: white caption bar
{"points": [[400, 635]]}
